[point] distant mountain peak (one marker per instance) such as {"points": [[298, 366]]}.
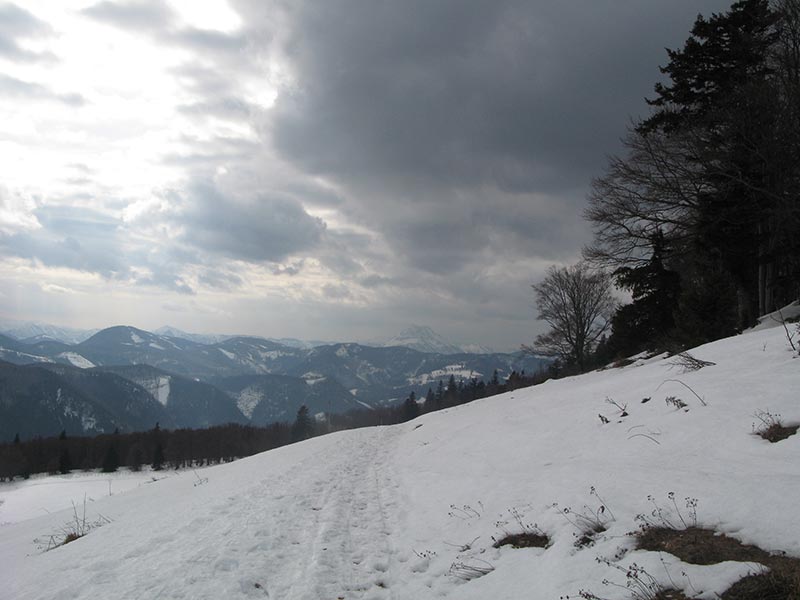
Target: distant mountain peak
{"points": [[424, 339]]}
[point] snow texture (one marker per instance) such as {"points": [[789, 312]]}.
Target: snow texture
{"points": [[248, 399], [77, 360], [385, 512]]}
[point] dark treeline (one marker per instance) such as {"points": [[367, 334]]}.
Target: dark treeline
{"points": [[186, 448], [158, 448], [700, 219]]}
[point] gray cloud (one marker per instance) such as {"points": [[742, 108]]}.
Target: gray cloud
{"points": [[17, 88], [76, 238], [135, 15], [93, 242], [263, 229], [16, 25], [205, 40], [465, 132], [230, 108], [524, 96], [158, 20], [212, 152]]}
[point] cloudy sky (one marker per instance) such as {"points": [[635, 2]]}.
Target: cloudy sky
{"points": [[331, 169]]}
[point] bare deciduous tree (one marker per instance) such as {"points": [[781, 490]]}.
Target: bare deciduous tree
{"points": [[577, 304]]}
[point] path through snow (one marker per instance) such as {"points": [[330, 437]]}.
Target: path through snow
{"points": [[319, 528]]}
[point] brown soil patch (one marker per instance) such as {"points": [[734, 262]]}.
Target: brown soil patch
{"points": [[699, 546], [774, 585], [523, 540], [705, 547], [776, 433]]}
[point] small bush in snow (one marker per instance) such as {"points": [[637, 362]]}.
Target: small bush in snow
{"points": [[78, 527], [640, 584], [771, 428], [669, 517], [589, 522], [676, 402], [519, 533], [690, 363]]}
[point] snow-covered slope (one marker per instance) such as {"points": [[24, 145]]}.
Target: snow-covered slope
{"points": [[410, 511], [31, 331], [424, 339]]}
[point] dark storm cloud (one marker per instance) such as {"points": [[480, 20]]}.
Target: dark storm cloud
{"points": [[465, 109], [527, 96], [263, 229], [12, 87], [16, 25]]}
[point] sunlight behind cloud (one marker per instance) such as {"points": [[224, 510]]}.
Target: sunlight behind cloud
{"points": [[209, 14]]}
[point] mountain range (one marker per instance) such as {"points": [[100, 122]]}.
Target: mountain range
{"points": [[180, 382]]}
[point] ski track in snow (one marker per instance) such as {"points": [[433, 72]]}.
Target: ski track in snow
{"points": [[320, 530]]}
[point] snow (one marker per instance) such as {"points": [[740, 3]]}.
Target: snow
{"points": [[778, 318], [248, 399], [161, 393], [77, 360], [312, 378], [136, 339], [230, 355], [28, 499], [457, 370], [380, 512], [156, 346]]}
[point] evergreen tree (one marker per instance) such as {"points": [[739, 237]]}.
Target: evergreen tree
{"points": [[451, 395], [720, 100], [649, 319], [64, 462], [158, 456], [410, 407], [430, 400], [716, 166], [303, 427], [440, 395], [111, 460]]}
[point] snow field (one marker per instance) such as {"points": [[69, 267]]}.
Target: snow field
{"points": [[383, 513], [28, 499]]}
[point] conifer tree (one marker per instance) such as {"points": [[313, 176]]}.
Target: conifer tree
{"points": [[410, 407], [64, 462], [111, 460], [158, 457], [303, 427]]}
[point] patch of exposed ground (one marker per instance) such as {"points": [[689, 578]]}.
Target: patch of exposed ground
{"points": [[779, 580]]}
